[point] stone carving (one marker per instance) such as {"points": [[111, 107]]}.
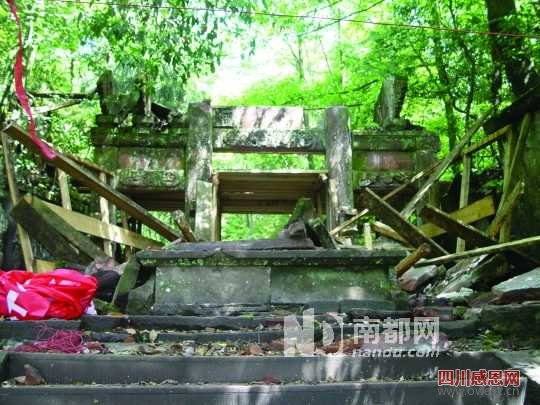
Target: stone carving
{"points": [[390, 102]]}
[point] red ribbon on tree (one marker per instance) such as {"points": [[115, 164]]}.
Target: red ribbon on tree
{"points": [[18, 74]]}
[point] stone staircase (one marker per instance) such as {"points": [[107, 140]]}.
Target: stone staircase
{"points": [[237, 359]]}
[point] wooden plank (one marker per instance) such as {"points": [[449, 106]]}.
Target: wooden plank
{"points": [[444, 164], [520, 145], [394, 219], [44, 266], [488, 140], [57, 236], [409, 261], [506, 208], [26, 245], [464, 192], [504, 233], [386, 231], [183, 224], [64, 189], [473, 236], [501, 247], [473, 212], [120, 200], [95, 227], [105, 216], [398, 190]]}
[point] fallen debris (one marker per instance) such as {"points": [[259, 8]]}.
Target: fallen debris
{"points": [[525, 287]]}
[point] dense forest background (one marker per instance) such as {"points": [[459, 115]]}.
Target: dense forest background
{"points": [[242, 52]]}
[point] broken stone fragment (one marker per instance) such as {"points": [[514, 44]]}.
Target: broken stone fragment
{"points": [[463, 296], [520, 288], [416, 277], [32, 376], [141, 299]]}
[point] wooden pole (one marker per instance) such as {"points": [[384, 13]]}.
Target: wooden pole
{"points": [[26, 245], [421, 251], [444, 164], [464, 192], [501, 247], [77, 172]]}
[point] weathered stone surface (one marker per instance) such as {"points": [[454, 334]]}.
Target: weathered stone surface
{"points": [[461, 297], [204, 218], [390, 100], [135, 179], [321, 307], [360, 313], [520, 288], [306, 284], [269, 140], [339, 165], [213, 285], [348, 305], [528, 362], [258, 117], [141, 299], [416, 277], [459, 328], [198, 153], [513, 319], [443, 313]]}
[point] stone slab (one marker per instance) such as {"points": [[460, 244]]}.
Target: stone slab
{"points": [[409, 392], [524, 287], [308, 284], [213, 285]]}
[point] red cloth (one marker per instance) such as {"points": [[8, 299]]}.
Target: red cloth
{"points": [[62, 293], [18, 74]]}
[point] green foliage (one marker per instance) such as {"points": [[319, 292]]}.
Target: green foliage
{"points": [[251, 226]]}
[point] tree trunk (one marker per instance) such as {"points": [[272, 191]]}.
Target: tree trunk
{"points": [[509, 52]]}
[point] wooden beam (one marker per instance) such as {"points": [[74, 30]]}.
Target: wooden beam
{"points": [[386, 231], [488, 140], [474, 237], [26, 245], [444, 164], [505, 208], [464, 193], [471, 235], [501, 247], [476, 211], [394, 219], [62, 240], [183, 225], [398, 190], [64, 189], [95, 227], [120, 200], [421, 251], [105, 216]]}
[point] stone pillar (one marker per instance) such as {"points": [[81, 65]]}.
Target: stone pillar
{"points": [[198, 153], [339, 165]]}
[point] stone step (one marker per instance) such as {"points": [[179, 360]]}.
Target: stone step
{"points": [[404, 393], [203, 329], [130, 369]]}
